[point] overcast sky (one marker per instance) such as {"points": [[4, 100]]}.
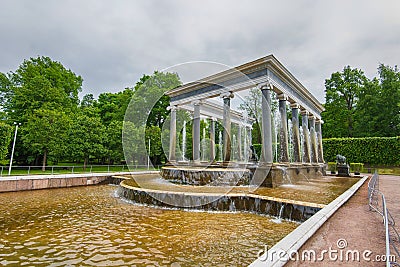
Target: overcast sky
{"points": [[111, 44]]}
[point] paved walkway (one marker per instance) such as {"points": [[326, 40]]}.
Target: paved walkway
{"points": [[361, 229]]}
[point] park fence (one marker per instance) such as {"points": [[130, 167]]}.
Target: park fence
{"points": [[377, 202], [53, 170]]}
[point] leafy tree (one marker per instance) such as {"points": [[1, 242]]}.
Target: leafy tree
{"points": [[148, 112], [86, 138], [389, 101], [113, 143], [149, 104], [132, 138], [5, 139], [342, 93], [367, 120], [44, 132], [88, 100], [156, 153], [38, 94], [252, 105], [40, 83], [112, 106]]}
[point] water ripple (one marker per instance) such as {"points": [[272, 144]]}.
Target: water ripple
{"points": [[88, 226]]}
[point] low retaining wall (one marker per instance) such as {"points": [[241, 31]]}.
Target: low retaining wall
{"points": [[271, 175], [282, 208], [34, 182]]}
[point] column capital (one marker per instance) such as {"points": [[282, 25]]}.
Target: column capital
{"points": [[213, 119], [226, 95], [282, 97], [304, 112], [196, 102], [311, 116], [319, 121], [265, 86], [172, 108], [295, 105]]}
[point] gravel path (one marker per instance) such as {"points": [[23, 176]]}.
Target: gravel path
{"points": [[361, 229]]}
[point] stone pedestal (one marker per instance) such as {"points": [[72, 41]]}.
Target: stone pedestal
{"points": [[343, 170]]}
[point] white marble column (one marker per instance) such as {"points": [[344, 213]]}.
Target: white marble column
{"points": [[172, 135], [196, 131], [296, 133], [283, 131], [266, 125], [227, 148]]}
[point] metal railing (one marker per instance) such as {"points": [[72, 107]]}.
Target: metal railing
{"points": [[67, 169], [392, 237]]}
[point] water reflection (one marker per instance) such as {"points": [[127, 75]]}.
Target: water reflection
{"points": [[88, 226]]}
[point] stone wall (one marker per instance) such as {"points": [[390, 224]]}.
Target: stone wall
{"points": [[292, 210], [27, 183]]}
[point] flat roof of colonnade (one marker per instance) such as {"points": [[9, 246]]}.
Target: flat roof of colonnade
{"points": [[244, 77]]}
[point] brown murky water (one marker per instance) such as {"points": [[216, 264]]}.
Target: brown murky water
{"points": [[88, 226]]}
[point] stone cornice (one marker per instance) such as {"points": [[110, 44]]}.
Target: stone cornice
{"points": [[268, 63]]}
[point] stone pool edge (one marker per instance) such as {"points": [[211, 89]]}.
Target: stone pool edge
{"points": [[37, 182], [278, 255], [298, 211]]}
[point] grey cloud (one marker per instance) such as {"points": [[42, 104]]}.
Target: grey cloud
{"points": [[112, 44]]}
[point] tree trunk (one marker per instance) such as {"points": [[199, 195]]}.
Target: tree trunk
{"points": [[85, 162], [44, 160]]}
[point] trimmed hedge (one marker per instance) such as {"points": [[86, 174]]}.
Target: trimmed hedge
{"points": [[369, 150]]}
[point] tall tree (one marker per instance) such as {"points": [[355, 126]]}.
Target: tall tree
{"points": [[40, 83], [389, 101], [37, 94], [149, 104], [45, 132], [148, 109], [112, 106], [342, 93], [86, 137], [252, 105], [367, 119], [5, 139], [113, 142]]}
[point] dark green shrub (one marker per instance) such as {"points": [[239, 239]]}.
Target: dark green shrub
{"points": [[369, 150]]}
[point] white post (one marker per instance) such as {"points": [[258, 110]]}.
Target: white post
{"points": [[13, 147]]}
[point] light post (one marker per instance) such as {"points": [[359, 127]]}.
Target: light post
{"points": [[13, 147]]}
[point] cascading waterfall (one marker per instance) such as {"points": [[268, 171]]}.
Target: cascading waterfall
{"points": [[276, 132], [301, 143], [234, 146], [290, 137], [280, 214], [203, 145]]}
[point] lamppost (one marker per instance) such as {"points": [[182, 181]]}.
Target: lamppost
{"points": [[13, 147]]}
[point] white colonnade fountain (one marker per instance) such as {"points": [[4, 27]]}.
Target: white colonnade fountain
{"points": [[210, 98]]}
